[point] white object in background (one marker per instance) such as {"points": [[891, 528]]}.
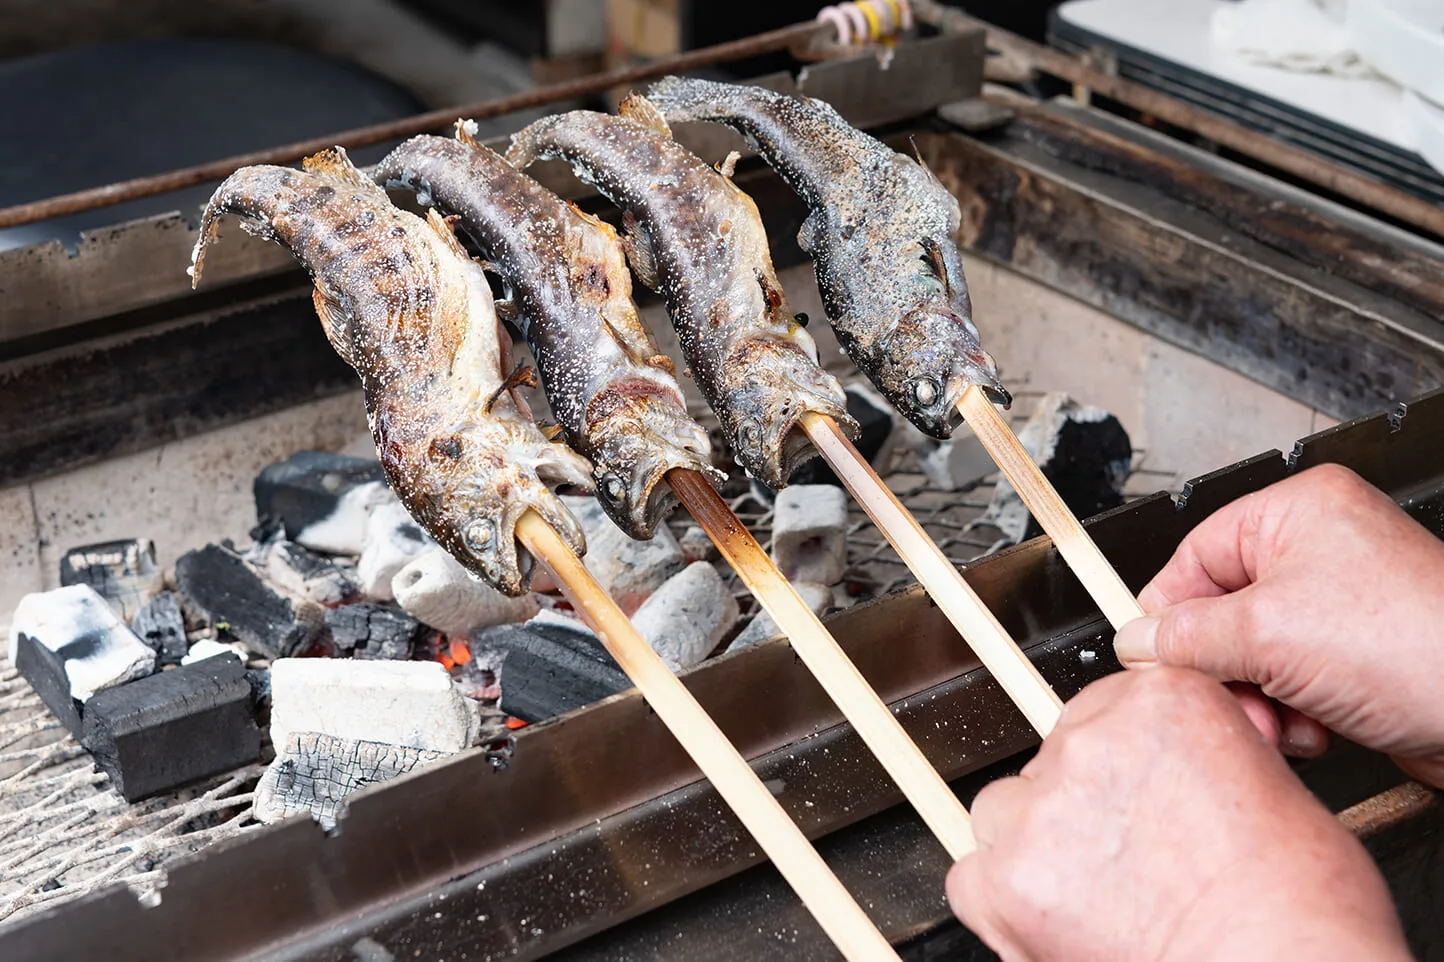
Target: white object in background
{"points": [[1403, 39], [1428, 120], [1293, 35]]}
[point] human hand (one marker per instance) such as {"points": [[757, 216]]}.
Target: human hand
{"points": [[1327, 596], [1156, 823]]}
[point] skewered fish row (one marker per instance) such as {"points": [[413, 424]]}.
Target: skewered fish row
{"points": [[611, 388], [880, 233], [699, 240], [403, 304]]}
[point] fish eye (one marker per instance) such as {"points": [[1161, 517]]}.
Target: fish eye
{"points": [[749, 435], [801, 319], [613, 489], [479, 534], [925, 391]]}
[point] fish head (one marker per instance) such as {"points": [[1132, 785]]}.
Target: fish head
{"points": [[925, 362], [472, 487], [776, 383], [639, 431]]}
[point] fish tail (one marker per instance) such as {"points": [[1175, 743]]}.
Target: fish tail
{"points": [[534, 142], [245, 194], [683, 99]]}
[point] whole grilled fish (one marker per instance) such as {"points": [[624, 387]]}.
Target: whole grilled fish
{"points": [[612, 389], [880, 233], [694, 236], [402, 303]]}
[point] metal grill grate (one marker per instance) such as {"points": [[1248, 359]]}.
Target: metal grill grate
{"points": [[64, 833]]}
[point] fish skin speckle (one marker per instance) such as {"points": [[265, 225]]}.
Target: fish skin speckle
{"points": [[881, 233], [405, 306], [751, 362]]}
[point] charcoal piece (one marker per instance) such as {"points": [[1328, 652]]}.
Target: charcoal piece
{"points": [[545, 673], [874, 418], [314, 773], [124, 573], [260, 681], [370, 630], [239, 603], [161, 626], [306, 574], [69, 643], [164, 731], [1082, 450], [320, 499]]}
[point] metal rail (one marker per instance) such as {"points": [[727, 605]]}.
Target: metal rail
{"points": [[126, 190]]}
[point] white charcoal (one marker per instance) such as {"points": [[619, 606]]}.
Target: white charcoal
{"points": [[393, 538], [688, 616], [436, 590], [629, 570], [410, 703], [809, 533]]}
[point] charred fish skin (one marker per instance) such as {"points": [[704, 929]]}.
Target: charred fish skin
{"points": [[698, 239], [401, 303], [611, 388], [881, 234]]}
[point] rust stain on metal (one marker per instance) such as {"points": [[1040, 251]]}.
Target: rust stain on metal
{"points": [[1388, 809]]}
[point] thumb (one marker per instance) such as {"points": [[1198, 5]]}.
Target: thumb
{"points": [[1217, 636]]}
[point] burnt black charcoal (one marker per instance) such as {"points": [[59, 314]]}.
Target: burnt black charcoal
{"points": [[161, 626], [124, 573], [68, 643], [238, 603], [309, 575], [260, 682], [548, 671], [874, 418], [309, 488], [373, 631], [1089, 465], [172, 728], [45, 670]]}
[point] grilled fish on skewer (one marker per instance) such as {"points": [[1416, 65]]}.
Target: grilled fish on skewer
{"points": [[611, 388], [697, 238], [880, 233], [402, 304]]}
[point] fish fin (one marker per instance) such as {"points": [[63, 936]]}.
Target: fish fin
{"points": [[810, 234], [335, 323], [937, 264], [550, 431], [729, 165], [442, 226], [523, 373], [637, 244], [333, 165], [640, 110], [466, 132], [918, 154]]}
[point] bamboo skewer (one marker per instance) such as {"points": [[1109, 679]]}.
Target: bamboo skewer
{"points": [[962, 606], [1073, 543], [825, 897], [839, 677]]}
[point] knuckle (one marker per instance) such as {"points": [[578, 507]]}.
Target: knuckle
{"points": [[1335, 482]]}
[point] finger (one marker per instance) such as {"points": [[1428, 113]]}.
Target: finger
{"points": [[974, 900], [999, 808], [1217, 636], [1260, 709], [1302, 737], [1214, 558]]}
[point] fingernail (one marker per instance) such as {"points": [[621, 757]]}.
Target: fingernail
{"points": [[1305, 741], [1136, 643]]}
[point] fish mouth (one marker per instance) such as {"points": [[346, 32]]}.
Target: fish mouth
{"points": [[789, 440], [973, 375], [652, 495]]}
